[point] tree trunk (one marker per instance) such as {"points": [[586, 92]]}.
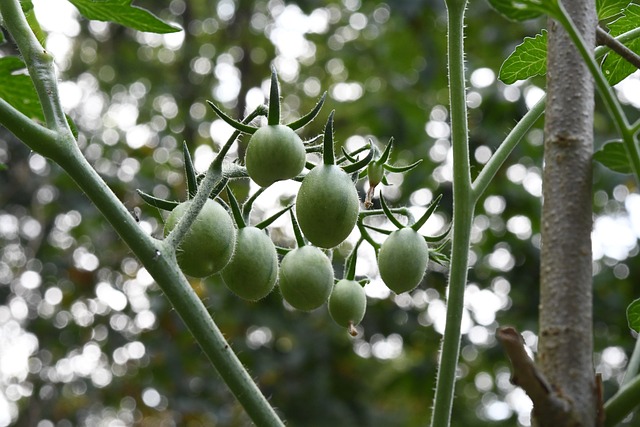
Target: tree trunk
{"points": [[565, 343]]}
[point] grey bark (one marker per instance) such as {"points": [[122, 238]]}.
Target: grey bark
{"points": [[565, 342]]}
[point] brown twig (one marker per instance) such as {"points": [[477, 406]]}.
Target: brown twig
{"points": [[549, 408], [604, 38]]}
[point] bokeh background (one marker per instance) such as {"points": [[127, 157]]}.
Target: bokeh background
{"points": [[87, 338]]}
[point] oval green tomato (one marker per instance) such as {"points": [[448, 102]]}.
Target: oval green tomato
{"points": [[306, 278], [274, 153], [347, 303], [253, 270], [403, 259], [327, 206], [209, 243]]}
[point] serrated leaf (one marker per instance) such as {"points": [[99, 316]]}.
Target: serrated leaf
{"points": [[633, 315], [123, 13], [614, 156], [522, 10], [609, 8], [17, 88], [614, 67], [529, 59]]}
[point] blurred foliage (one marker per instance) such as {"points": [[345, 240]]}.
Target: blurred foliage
{"points": [[86, 338]]}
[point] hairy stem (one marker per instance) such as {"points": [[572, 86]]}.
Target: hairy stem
{"points": [[158, 257], [462, 218]]}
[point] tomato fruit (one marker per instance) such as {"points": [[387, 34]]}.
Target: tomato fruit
{"points": [[403, 259], [208, 245], [327, 206], [306, 278], [274, 153], [253, 270], [347, 303]]}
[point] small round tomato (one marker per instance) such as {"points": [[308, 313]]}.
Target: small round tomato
{"points": [[253, 270], [306, 278], [327, 206], [209, 243], [347, 303], [274, 153], [403, 259]]}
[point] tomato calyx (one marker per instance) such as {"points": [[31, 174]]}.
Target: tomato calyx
{"points": [[273, 114], [376, 170]]}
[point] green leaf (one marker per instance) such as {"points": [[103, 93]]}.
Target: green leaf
{"points": [[527, 60], [3, 166], [17, 89], [614, 156], [609, 8], [122, 12], [615, 68], [523, 10], [633, 315]]}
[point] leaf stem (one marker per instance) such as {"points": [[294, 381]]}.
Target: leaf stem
{"points": [[605, 90], [463, 208], [622, 403], [39, 64], [37, 137], [634, 364], [490, 170], [156, 256]]}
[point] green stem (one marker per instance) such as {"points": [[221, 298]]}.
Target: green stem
{"points": [[39, 64], [517, 133], [634, 364], [622, 403], [41, 140], [156, 256], [463, 207], [605, 90], [497, 160]]}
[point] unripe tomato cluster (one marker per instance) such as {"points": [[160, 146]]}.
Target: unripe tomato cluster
{"points": [[327, 210]]}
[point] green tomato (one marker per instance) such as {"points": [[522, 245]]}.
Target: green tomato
{"points": [[403, 259], [252, 272], [327, 206], [347, 303], [274, 153], [306, 278], [209, 243]]}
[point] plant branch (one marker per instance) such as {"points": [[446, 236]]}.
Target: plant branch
{"points": [[37, 137], [156, 256], [605, 90], [634, 364], [605, 39], [622, 403], [548, 407], [463, 208], [39, 64], [490, 170]]}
